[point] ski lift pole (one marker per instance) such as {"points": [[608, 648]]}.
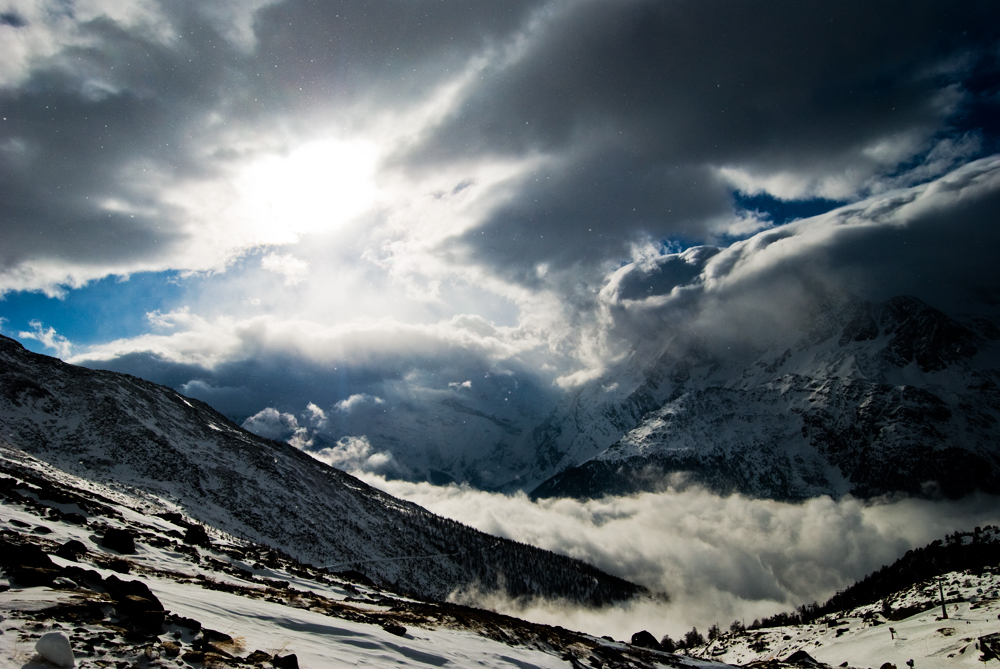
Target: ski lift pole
{"points": [[944, 611]]}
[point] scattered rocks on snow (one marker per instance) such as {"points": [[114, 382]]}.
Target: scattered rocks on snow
{"points": [[55, 648]]}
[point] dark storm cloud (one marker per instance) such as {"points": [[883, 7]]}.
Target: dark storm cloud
{"points": [[935, 241], [634, 105], [97, 126], [382, 51], [100, 123], [636, 101]]}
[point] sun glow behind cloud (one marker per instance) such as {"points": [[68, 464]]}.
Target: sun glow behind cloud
{"points": [[317, 187]]}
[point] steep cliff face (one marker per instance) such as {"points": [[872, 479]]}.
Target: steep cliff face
{"points": [[119, 430], [873, 398]]}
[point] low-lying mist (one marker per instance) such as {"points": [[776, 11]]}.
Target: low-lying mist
{"points": [[718, 559]]}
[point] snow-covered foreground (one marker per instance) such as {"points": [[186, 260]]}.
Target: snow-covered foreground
{"points": [[218, 601], [866, 637], [184, 599]]}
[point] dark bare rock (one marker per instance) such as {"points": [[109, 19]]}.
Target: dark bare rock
{"points": [[644, 639], [119, 540], [197, 536], [27, 564], [286, 662], [71, 550], [392, 628]]}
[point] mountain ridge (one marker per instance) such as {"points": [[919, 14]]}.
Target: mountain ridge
{"points": [[873, 398], [111, 427]]}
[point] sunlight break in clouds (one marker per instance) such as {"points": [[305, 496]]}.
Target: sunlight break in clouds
{"points": [[717, 558], [314, 188]]}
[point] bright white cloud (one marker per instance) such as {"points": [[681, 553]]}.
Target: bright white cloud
{"points": [[49, 338], [358, 400], [315, 415], [356, 455], [273, 424], [293, 269]]}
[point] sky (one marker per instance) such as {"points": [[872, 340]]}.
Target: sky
{"points": [[321, 217]]}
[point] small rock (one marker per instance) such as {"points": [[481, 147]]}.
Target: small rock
{"points": [[215, 635], [119, 540], [802, 658], [71, 550], [392, 628], [189, 623], [55, 648], [286, 662], [258, 656], [120, 566], [170, 649], [197, 536], [193, 656]]}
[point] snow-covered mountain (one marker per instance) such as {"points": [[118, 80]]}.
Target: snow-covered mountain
{"points": [[94, 576], [871, 398], [151, 441]]}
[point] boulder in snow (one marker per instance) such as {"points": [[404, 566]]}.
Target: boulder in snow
{"points": [[119, 540], [55, 648], [644, 639]]}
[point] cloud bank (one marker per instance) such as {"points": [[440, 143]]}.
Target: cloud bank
{"points": [[718, 559]]}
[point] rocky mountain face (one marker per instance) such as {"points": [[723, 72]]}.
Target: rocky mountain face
{"points": [[872, 398], [122, 431]]}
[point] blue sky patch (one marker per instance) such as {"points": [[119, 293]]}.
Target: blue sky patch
{"points": [[100, 311]]}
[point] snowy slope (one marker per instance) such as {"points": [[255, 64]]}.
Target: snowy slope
{"points": [[872, 398], [123, 431], [228, 602], [861, 637]]}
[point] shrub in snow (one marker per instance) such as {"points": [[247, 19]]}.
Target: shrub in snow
{"points": [[55, 648]]}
